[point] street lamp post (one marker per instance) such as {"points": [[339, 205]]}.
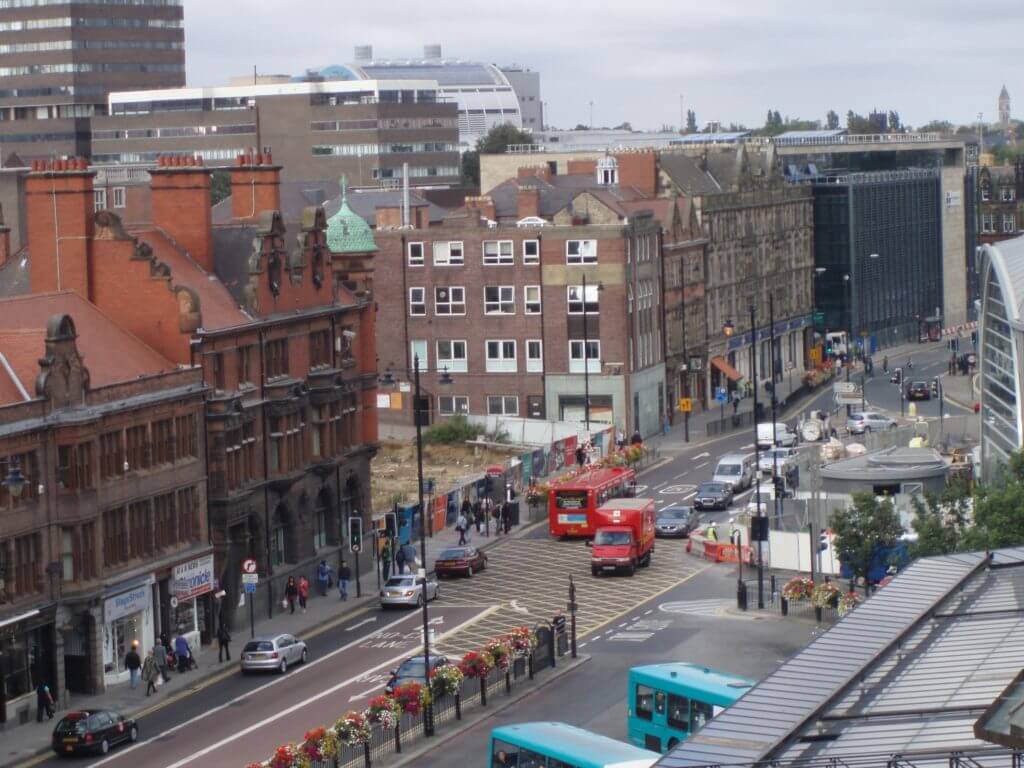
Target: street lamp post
{"points": [[15, 481], [775, 438], [757, 455], [586, 362], [686, 359]]}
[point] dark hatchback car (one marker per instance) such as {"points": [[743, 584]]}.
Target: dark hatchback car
{"points": [[92, 732], [676, 522], [712, 495], [919, 390], [460, 561], [411, 671]]}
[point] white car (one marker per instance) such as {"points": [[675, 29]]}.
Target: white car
{"points": [[273, 653], [782, 458], [861, 422], [405, 590]]}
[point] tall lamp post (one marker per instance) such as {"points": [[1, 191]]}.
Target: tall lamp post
{"points": [[419, 412], [775, 438], [686, 358]]}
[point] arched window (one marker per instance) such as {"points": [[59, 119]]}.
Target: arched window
{"points": [[280, 551], [321, 516]]}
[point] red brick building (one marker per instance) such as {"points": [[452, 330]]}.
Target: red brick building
{"points": [[281, 328], [495, 295], [108, 436]]}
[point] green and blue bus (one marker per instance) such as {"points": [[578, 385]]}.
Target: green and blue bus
{"points": [[670, 702], [558, 745]]}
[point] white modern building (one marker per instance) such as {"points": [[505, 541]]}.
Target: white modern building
{"points": [[1002, 344]]}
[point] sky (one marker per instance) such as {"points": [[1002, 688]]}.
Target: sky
{"points": [[643, 61]]}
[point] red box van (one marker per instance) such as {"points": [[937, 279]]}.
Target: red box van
{"points": [[623, 536]]}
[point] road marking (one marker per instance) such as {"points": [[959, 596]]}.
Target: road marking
{"points": [[363, 695], [704, 455], [681, 474], [689, 496], [361, 623], [639, 489], [710, 607], [747, 447], [630, 637], [514, 605], [660, 484], [677, 490], [648, 612]]}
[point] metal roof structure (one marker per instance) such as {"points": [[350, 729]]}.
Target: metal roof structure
{"points": [[904, 675], [712, 138], [896, 463]]}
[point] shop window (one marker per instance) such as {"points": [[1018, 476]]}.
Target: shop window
{"points": [[20, 657]]}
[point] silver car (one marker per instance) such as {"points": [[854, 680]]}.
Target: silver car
{"points": [[273, 652], [405, 590], [868, 421], [783, 459]]}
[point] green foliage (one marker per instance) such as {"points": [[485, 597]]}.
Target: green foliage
{"points": [[775, 124], [499, 137], [999, 509], [938, 126], [220, 186], [941, 522], [832, 120], [691, 121], [455, 430], [865, 525], [471, 168]]}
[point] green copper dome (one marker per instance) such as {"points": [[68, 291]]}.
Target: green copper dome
{"points": [[347, 232]]}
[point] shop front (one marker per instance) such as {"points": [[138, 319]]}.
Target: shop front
{"points": [[191, 588], [27, 658], [127, 616]]}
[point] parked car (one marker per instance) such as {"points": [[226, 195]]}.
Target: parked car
{"points": [[405, 590], [676, 521], [783, 459], [861, 422], [92, 731], [411, 671], [919, 390], [713, 495], [460, 561], [273, 652]]}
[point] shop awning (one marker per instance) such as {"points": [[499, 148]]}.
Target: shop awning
{"points": [[730, 373]]}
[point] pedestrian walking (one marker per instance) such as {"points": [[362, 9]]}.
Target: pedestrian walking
{"points": [[291, 594], [160, 658], [581, 455], [303, 592], [410, 557], [223, 642], [385, 560], [467, 511], [496, 517], [44, 702], [133, 664], [151, 670], [400, 560], [460, 526], [506, 516], [323, 578], [183, 653], [478, 517], [885, 364], [344, 574]]}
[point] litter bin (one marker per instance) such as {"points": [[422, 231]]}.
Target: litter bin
{"points": [[513, 507]]}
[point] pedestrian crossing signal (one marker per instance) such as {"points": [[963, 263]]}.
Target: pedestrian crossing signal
{"points": [[355, 534]]}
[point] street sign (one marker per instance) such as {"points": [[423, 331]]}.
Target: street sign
{"points": [[848, 398], [685, 404], [250, 578], [790, 365], [174, 602], [249, 566], [844, 387], [250, 588], [721, 395]]}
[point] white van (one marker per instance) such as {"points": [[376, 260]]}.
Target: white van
{"points": [[782, 435], [737, 470]]}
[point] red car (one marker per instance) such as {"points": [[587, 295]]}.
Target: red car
{"points": [[460, 561]]}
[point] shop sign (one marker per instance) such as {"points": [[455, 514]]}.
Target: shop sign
{"points": [[193, 578], [127, 603]]}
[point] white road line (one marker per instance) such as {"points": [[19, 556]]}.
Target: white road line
{"points": [[747, 447], [660, 484], [681, 474], [702, 464], [689, 496]]}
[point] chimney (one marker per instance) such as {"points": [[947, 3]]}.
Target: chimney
{"points": [[255, 186], [542, 172], [59, 224], [482, 203], [638, 169], [5, 241], [528, 202], [181, 200]]}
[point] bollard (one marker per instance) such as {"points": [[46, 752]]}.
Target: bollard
{"points": [[785, 607], [529, 665], [508, 682], [458, 705], [817, 614], [366, 756], [398, 740], [771, 582], [741, 595], [483, 691]]}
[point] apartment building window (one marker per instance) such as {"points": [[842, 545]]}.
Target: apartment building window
{"points": [[87, 552], [244, 361], [99, 199], [163, 441], [1009, 223], [286, 449], [115, 537], [185, 437], [451, 354], [593, 357], [448, 253], [988, 222], [319, 349], [501, 356], [986, 194], [531, 299], [415, 254], [418, 354], [502, 405], [140, 527], [217, 369], [531, 251], [165, 523], [75, 467], [188, 515], [119, 197], [581, 251], [580, 303], [111, 455], [276, 361], [417, 302], [498, 252], [1006, 194], [449, 405], [534, 356], [68, 553], [449, 300], [28, 561], [499, 300]]}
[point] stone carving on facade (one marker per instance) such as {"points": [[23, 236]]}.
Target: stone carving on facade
{"points": [[109, 226], [190, 317], [63, 379]]}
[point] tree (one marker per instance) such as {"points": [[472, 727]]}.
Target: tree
{"points": [[624, 126], [999, 509], [220, 186], [832, 120], [691, 121], [861, 529], [941, 521], [500, 137], [894, 122], [471, 168], [938, 126]]}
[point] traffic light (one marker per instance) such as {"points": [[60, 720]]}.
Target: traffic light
{"points": [[935, 387], [488, 484], [355, 534], [780, 485], [897, 376], [828, 348], [391, 524]]}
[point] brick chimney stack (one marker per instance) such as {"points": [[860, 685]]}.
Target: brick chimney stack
{"points": [[182, 201], [482, 203], [59, 224], [527, 202], [255, 186], [5, 241]]}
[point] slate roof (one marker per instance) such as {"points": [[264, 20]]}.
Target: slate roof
{"points": [[558, 192], [688, 175], [111, 353], [15, 279]]}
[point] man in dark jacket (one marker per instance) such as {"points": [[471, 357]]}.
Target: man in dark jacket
{"points": [[223, 642], [344, 574], [44, 702], [133, 663], [160, 656]]}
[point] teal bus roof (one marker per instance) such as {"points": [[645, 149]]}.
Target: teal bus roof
{"points": [[693, 680], [575, 745]]}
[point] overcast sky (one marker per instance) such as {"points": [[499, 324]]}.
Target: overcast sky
{"points": [[730, 60]]}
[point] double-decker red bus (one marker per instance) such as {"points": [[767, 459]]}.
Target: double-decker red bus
{"points": [[572, 501]]}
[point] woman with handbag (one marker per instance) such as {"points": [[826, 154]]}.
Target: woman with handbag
{"points": [[291, 594]]}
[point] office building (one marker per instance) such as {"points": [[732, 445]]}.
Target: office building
{"points": [[59, 62], [1000, 195]]}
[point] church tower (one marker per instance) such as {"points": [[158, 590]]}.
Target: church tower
{"points": [[1004, 108]]}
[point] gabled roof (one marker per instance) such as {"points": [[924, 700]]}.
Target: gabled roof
{"points": [[556, 193], [110, 353], [687, 173]]}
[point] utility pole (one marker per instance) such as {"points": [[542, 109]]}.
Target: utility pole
{"points": [[686, 359], [757, 456], [775, 437]]}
